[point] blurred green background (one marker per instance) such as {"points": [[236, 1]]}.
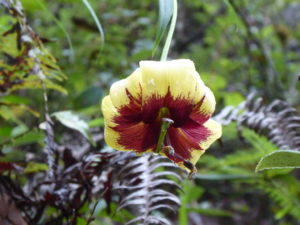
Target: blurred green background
{"points": [[237, 46]]}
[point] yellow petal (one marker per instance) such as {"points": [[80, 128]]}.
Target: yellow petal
{"points": [[177, 76], [203, 110], [209, 103], [109, 111], [215, 133], [195, 155], [121, 91], [111, 139], [116, 133]]}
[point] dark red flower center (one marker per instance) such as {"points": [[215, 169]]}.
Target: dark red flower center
{"points": [[139, 123]]}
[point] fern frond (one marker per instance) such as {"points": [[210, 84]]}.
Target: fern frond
{"points": [[26, 62], [284, 192], [146, 187], [280, 124], [277, 120]]}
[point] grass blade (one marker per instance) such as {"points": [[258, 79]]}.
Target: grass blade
{"points": [[170, 33], [165, 15], [95, 18]]}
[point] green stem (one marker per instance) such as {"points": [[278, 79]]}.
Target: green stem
{"points": [[166, 122], [170, 33]]}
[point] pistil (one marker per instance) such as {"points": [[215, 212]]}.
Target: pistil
{"points": [[166, 123]]}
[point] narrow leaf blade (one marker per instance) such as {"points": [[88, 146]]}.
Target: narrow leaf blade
{"points": [[165, 15], [95, 18]]}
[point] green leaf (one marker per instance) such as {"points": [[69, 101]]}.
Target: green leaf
{"points": [[33, 167], [233, 98], [19, 130], [70, 120], [30, 137], [12, 155], [210, 211], [18, 109], [5, 131], [33, 83], [99, 122], [279, 160], [165, 15], [224, 176], [15, 99]]}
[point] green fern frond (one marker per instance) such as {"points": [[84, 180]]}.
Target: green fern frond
{"points": [[285, 192], [25, 62]]}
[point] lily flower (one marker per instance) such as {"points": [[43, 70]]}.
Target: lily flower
{"points": [[162, 107]]}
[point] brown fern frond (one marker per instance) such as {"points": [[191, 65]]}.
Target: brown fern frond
{"points": [[278, 121], [145, 188]]}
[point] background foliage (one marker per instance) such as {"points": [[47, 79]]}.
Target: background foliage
{"points": [[54, 70]]}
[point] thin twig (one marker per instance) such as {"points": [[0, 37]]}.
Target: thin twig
{"points": [[91, 218]]}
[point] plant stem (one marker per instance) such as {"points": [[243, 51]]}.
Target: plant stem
{"points": [[170, 33], [166, 122]]}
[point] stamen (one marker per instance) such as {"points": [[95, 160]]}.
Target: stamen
{"points": [[168, 150], [166, 123], [190, 166]]}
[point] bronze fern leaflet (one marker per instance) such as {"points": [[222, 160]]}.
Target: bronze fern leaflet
{"points": [[277, 121], [146, 187]]}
